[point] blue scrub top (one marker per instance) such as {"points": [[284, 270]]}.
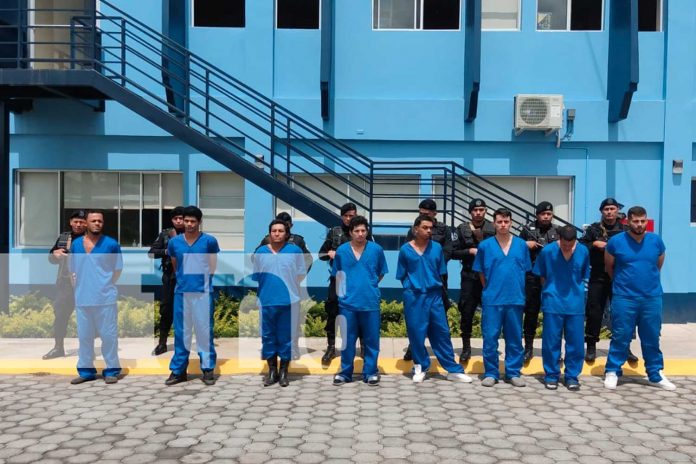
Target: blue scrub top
{"points": [[505, 275], [278, 274], [94, 271], [193, 262], [357, 281], [421, 273], [635, 266], [564, 286]]}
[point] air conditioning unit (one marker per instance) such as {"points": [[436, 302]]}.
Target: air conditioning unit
{"points": [[538, 112]]}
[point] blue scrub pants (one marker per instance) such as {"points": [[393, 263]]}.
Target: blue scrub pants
{"points": [[507, 318], [426, 317], [353, 324], [568, 326], [276, 332], [626, 314], [193, 312], [101, 321]]}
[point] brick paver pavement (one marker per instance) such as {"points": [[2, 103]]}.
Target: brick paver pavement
{"points": [[139, 420]]}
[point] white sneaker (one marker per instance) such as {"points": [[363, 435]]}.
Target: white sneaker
{"points": [[665, 384], [459, 377], [418, 374], [610, 380]]}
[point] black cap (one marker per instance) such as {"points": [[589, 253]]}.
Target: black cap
{"points": [[177, 211], [476, 203], [610, 202], [285, 217], [544, 206], [348, 207], [79, 214], [428, 204]]}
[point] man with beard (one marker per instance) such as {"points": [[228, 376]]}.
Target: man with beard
{"points": [[633, 260]]}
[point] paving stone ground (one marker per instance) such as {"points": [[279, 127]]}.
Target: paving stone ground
{"points": [[140, 420]]}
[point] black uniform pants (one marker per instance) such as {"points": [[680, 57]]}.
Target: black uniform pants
{"points": [[469, 299], [598, 293], [532, 305], [331, 307], [166, 308], [63, 307]]}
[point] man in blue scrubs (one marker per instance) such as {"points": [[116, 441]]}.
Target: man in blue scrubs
{"points": [[633, 260], [279, 268], [359, 266], [420, 269], [194, 259], [502, 262], [563, 268], [96, 262]]}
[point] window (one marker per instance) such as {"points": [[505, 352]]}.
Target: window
{"points": [[219, 13], [569, 15], [693, 202], [416, 14], [500, 14], [221, 198], [650, 15], [297, 14], [136, 205]]}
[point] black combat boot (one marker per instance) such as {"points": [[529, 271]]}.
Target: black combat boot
{"points": [[272, 376], [591, 352], [283, 374], [528, 350], [466, 351], [329, 354], [408, 356]]}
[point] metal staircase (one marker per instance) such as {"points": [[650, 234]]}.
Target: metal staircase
{"points": [[110, 55]]}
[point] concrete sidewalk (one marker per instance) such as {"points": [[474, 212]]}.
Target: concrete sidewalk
{"points": [[241, 356]]}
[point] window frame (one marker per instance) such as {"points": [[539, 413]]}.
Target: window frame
{"points": [[275, 14], [519, 20], [569, 6], [241, 234], [192, 11], [415, 19]]}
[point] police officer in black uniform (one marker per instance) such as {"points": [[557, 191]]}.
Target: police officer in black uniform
{"points": [[158, 250], [468, 236], [298, 240], [64, 301], [599, 289], [537, 234], [442, 233], [336, 237]]}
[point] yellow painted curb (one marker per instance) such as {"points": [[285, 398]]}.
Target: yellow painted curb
{"points": [[311, 366]]}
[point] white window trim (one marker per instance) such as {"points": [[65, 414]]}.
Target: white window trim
{"points": [[415, 29], [275, 14], [569, 4], [519, 21]]}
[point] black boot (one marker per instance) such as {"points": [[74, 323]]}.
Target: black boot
{"points": [[466, 351], [272, 376], [161, 347], [591, 352], [632, 358], [56, 352], [408, 356], [328, 355], [528, 350], [283, 374]]}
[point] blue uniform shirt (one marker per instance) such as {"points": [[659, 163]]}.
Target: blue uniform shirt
{"points": [[357, 280], [94, 271], [278, 274], [635, 266], [564, 287], [193, 262], [505, 275], [421, 273]]}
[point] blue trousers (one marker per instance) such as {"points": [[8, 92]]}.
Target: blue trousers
{"points": [[626, 314], [507, 318], [425, 317], [193, 312], [101, 321], [276, 332], [568, 326], [353, 324]]}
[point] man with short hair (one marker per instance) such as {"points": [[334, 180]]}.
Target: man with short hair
{"points": [[421, 266], [96, 263], [537, 234], [502, 262], [468, 237], [563, 268], [278, 268], [158, 250], [64, 300], [633, 259], [194, 260], [359, 266]]}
